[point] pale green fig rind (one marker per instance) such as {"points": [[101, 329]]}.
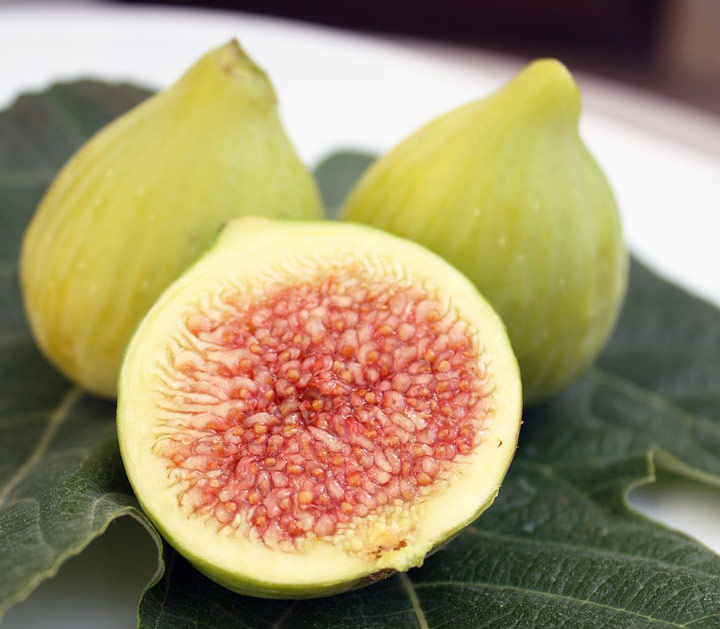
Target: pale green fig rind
{"points": [[242, 249], [262, 589], [505, 190], [143, 198]]}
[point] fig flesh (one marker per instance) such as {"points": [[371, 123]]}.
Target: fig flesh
{"points": [[505, 190], [144, 198], [314, 405]]}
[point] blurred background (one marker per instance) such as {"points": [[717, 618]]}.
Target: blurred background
{"points": [[670, 47]]}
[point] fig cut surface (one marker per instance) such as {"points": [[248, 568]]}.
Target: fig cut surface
{"points": [[315, 405]]}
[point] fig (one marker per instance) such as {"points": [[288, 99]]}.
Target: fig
{"points": [[314, 405], [505, 190], [144, 198]]}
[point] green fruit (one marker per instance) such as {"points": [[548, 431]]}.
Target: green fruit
{"points": [[314, 405], [143, 198], [505, 190]]}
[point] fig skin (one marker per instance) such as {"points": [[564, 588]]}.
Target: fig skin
{"points": [[256, 253], [143, 198], [505, 190]]}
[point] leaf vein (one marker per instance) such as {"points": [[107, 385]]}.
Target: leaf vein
{"points": [[26, 178], [57, 417], [651, 398], [414, 602], [591, 550], [163, 599], [694, 621], [279, 622], [11, 338], [541, 593]]}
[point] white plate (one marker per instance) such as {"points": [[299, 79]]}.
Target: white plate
{"points": [[338, 89]]}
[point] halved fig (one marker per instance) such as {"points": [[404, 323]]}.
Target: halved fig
{"points": [[314, 405]]}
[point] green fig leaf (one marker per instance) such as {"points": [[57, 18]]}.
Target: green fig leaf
{"points": [[61, 477], [336, 174], [560, 547]]}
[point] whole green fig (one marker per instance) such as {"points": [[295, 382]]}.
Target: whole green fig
{"points": [[143, 198], [505, 190]]}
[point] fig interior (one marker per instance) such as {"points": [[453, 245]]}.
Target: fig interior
{"points": [[318, 407]]}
